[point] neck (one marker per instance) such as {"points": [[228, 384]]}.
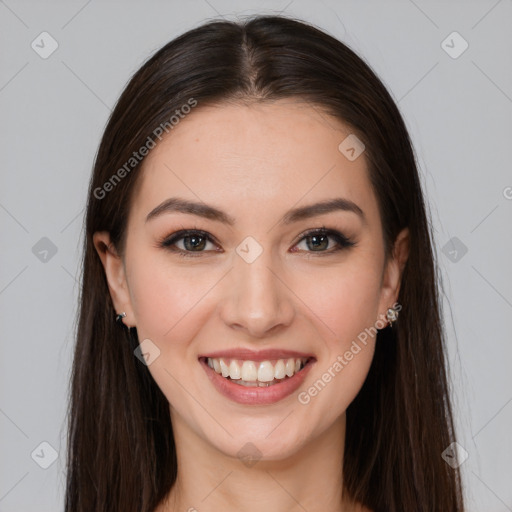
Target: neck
{"points": [[209, 480]]}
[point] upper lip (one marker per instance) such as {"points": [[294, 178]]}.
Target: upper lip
{"points": [[257, 355]]}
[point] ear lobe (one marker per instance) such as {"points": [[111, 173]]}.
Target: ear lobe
{"points": [[115, 274]]}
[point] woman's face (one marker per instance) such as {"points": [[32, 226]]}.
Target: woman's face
{"points": [[252, 278]]}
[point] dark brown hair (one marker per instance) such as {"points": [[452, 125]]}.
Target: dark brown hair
{"points": [[121, 452]]}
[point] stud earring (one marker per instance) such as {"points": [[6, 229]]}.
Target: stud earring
{"points": [[119, 317], [392, 314]]}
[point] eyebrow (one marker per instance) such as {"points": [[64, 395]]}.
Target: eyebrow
{"points": [[178, 205]]}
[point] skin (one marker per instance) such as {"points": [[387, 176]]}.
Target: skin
{"points": [[255, 162]]}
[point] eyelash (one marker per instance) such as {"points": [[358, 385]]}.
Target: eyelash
{"points": [[168, 242]]}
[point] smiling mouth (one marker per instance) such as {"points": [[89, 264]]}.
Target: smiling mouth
{"points": [[257, 374]]}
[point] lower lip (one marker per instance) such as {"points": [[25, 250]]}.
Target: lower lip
{"points": [[256, 395]]}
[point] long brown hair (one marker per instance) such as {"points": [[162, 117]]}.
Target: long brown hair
{"points": [[121, 452]]}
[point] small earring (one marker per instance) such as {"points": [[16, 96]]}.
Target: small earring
{"points": [[392, 315], [119, 318]]}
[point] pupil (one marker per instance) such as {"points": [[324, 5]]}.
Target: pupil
{"points": [[318, 240], [194, 242]]}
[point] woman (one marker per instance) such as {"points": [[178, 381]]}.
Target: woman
{"points": [[257, 228]]}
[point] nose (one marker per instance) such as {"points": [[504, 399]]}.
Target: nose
{"points": [[256, 298]]}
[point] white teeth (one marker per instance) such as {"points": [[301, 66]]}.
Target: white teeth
{"points": [[266, 371], [290, 367], [224, 368], [252, 384], [250, 373], [234, 370], [279, 371]]}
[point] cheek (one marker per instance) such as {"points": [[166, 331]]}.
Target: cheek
{"points": [[164, 300], [345, 306], [344, 298], [171, 306], [171, 300]]}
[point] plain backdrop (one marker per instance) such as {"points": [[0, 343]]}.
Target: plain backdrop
{"points": [[455, 92]]}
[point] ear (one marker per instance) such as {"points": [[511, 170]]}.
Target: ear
{"points": [[392, 276], [115, 274]]}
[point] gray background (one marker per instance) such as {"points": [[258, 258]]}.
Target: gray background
{"points": [[53, 112]]}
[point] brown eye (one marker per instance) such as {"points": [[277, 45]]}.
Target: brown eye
{"points": [[191, 241], [325, 241], [315, 242], [194, 242]]}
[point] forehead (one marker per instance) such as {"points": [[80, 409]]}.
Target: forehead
{"points": [[241, 157]]}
